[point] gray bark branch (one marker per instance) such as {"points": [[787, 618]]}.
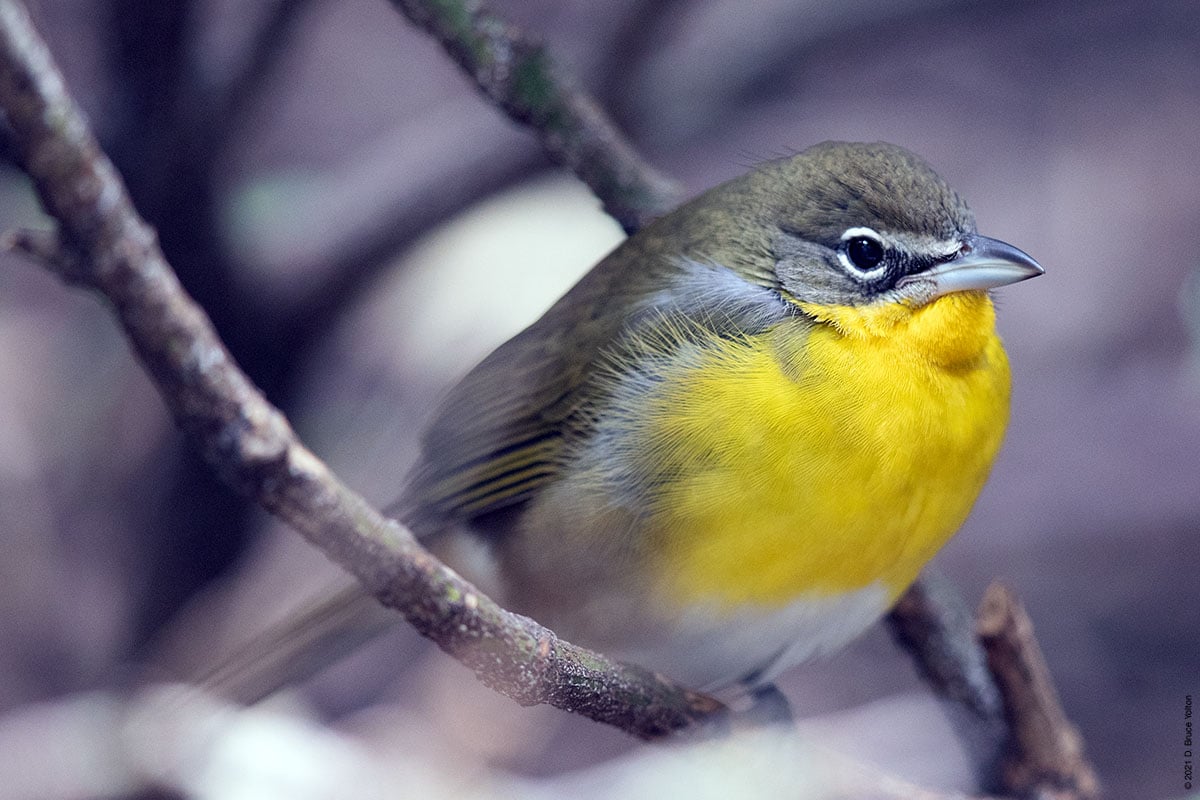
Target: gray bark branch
{"points": [[102, 243]]}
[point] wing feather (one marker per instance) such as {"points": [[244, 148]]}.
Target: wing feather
{"points": [[504, 431]]}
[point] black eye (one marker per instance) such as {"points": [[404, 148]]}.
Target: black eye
{"points": [[864, 252]]}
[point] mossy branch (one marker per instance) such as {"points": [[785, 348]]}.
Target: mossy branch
{"points": [[520, 77]]}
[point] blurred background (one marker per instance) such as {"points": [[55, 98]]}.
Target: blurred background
{"points": [[362, 226]]}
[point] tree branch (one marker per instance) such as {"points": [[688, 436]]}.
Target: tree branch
{"points": [[933, 623], [1045, 751], [517, 74], [252, 445]]}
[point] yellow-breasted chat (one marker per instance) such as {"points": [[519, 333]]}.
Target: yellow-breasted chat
{"points": [[742, 434], [738, 439]]}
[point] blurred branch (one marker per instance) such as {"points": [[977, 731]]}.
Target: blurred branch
{"points": [[152, 123], [934, 624], [350, 270], [636, 40], [155, 127], [390, 197], [245, 85], [8, 148], [682, 91], [108, 247], [518, 75], [1045, 751]]}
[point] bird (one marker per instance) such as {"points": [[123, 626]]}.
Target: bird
{"points": [[738, 439]]}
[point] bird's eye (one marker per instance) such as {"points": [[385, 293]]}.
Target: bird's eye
{"points": [[864, 252]]}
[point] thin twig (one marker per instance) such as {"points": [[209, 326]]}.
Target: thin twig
{"points": [[254, 448], [1045, 756], [516, 73]]}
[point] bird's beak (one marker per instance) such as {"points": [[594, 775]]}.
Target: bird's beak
{"points": [[981, 263]]}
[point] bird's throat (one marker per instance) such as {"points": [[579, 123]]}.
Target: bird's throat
{"points": [[953, 331]]}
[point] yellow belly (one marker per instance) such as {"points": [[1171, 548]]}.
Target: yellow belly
{"points": [[817, 462]]}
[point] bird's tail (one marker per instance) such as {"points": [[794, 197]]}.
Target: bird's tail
{"points": [[296, 649]]}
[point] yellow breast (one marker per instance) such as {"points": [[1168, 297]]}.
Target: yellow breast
{"points": [[813, 461]]}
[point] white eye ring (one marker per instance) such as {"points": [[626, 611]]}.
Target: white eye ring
{"points": [[848, 263]]}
